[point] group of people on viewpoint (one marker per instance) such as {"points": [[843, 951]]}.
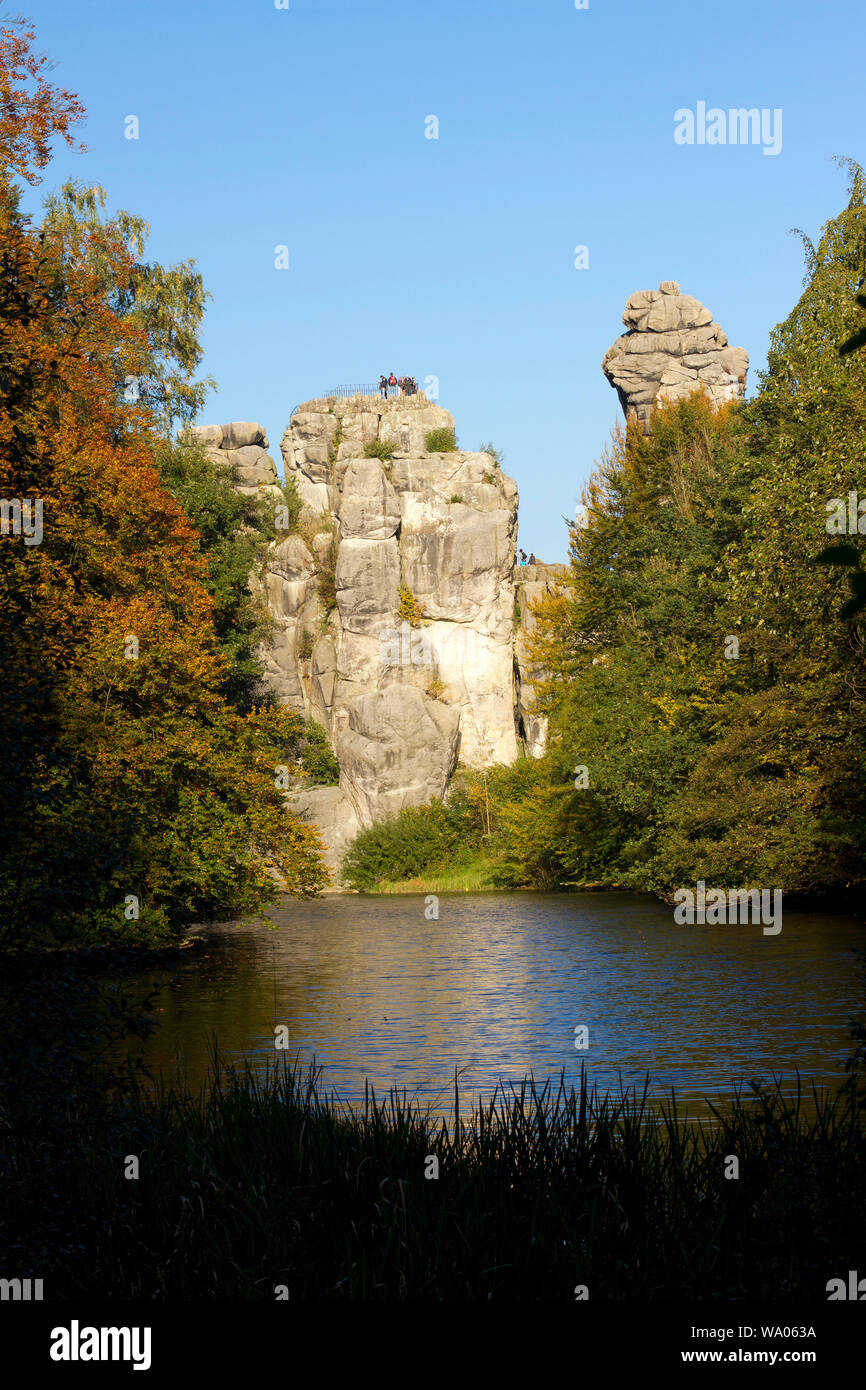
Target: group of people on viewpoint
{"points": [[523, 560], [407, 384]]}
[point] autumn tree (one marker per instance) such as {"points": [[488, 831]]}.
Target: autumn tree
{"points": [[133, 799]]}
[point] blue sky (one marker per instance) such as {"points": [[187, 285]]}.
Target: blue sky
{"points": [[454, 257]]}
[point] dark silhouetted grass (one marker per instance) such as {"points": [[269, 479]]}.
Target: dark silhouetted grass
{"points": [[264, 1181]]}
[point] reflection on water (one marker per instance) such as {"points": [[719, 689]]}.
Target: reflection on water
{"points": [[496, 987]]}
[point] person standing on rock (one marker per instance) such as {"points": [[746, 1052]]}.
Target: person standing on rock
{"points": [[523, 557], [392, 381], [532, 560], [383, 385]]}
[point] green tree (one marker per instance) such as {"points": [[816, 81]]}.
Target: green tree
{"points": [[696, 663], [166, 302]]}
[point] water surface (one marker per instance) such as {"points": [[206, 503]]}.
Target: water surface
{"points": [[496, 987]]}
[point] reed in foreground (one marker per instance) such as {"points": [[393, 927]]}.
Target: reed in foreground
{"points": [[264, 1181]]}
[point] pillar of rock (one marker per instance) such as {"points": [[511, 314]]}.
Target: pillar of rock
{"points": [[670, 349]]}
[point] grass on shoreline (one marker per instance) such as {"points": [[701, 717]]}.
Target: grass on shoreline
{"points": [[264, 1181], [474, 875]]}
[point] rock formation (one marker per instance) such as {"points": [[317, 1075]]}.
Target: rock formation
{"points": [[399, 620], [241, 446], [672, 347], [413, 661], [392, 601]]}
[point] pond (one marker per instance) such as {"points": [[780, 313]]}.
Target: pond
{"points": [[497, 987]]}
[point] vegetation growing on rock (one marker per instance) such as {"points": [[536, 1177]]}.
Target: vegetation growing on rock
{"points": [[441, 441]]}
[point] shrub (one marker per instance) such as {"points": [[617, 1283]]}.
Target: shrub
{"points": [[487, 478], [317, 758], [497, 456], [335, 446], [327, 577], [305, 644], [456, 497], [435, 689], [379, 449], [327, 586], [441, 441], [410, 610], [287, 523], [408, 844]]}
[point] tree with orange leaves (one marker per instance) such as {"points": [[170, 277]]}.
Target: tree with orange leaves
{"points": [[133, 799]]}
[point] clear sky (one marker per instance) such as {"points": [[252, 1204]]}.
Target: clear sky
{"points": [[454, 257]]}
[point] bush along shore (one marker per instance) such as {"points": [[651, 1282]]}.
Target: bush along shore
{"points": [[266, 1187]]}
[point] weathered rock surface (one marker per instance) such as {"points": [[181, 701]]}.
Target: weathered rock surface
{"points": [[440, 525], [401, 694], [330, 810], [396, 747], [671, 348], [242, 447]]}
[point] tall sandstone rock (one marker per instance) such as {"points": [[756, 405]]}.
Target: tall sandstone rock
{"points": [[671, 348], [393, 602]]}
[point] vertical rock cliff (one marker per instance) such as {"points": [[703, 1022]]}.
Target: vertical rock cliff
{"points": [[421, 625], [392, 599]]}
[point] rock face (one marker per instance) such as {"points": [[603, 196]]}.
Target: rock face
{"points": [[399, 621], [392, 600], [242, 447], [671, 348], [332, 813]]}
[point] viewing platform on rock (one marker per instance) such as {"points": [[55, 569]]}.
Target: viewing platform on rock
{"points": [[365, 388]]}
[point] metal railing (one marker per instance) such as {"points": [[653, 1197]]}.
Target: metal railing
{"points": [[356, 388]]}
